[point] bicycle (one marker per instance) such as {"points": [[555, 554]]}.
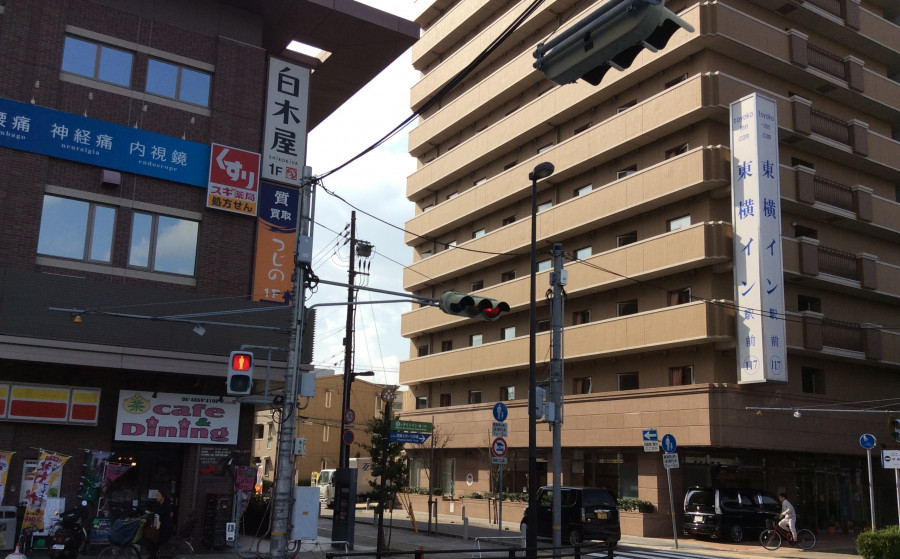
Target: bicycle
{"points": [[773, 535], [178, 547]]}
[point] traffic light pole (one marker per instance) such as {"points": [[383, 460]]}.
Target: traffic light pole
{"points": [[282, 497], [556, 384]]}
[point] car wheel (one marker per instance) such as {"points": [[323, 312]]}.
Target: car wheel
{"points": [[736, 533], [575, 537]]}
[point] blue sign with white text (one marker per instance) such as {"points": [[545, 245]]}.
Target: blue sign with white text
{"points": [[35, 129]]}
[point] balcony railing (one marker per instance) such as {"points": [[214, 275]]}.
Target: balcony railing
{"points": [[844, 335], [838, 263], [829, 126], [827, 62], [830, 6], [833, 193]]}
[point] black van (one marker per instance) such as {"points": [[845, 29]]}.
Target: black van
{"points": [[587, 513], [728, 513]]}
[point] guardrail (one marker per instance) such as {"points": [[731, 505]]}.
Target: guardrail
{"points": [[575, 552]]}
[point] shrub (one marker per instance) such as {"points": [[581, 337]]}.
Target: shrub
{"points": [[879, 544], [631, 503]]}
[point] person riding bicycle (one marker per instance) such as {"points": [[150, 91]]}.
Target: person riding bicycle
{"points": [[788, 516]]}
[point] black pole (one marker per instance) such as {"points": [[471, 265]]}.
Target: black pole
{"points": [[385, 443], [344, 454]]}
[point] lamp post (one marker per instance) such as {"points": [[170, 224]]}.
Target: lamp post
{"points": [[541, 171]]}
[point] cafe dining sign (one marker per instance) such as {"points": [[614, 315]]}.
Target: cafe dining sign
{"points": [[176, 418]]}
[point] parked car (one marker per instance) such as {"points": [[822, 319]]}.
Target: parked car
{"points": [[587, 513], [728, 513]]}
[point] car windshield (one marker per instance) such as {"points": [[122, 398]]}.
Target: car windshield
{"points": [[700, 498], [324, 477]]}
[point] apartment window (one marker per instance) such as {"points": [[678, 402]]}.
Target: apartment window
{"points": [[421, 402], [581, 128], [328, 398], [271, 438], [807, 303], [675, 81], [479, 233], [584, 190], [452, 195], [624, 308], [680, 376], [680, 296], [178, 82], [582, 253], [447, 345], [425, 254], [628, 381], [508, 333], [626, 106], [477, 284], [543, 326], [622, 173], [678, 223], [582, 385], [507, 393], [547, 147], [423, 350], [808, 232], [428, 207], [670, 153], [812, 380], [76, 229], [474, 396], [97, 62], [544, 206], [450, 244], [163, 243], [482, 180], [796, 161], [475, 340], [543, 265], [581, 317], [445, 400], [326, 432], [509, 165], [508, 220], [508, 276], [259, 431], [626, 238]]}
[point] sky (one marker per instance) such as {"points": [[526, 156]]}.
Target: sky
{"points": [[375, 183]]}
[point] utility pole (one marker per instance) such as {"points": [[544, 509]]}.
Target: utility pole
{"points": [[344, 454], [558, 280], [284, 473]]}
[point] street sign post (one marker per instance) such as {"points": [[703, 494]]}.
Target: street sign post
{"points": [[413, 426], [498, 447], [867, 441], [668, 443], [651, 440], [500, 411], [890, 459], [405, 437]]}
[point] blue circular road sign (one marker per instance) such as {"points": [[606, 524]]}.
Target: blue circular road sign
{"points": [[867, 441], [500, 411], [348, 437], [668, 443]]}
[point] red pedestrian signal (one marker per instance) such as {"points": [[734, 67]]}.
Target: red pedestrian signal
{"points": [[240, 374]]}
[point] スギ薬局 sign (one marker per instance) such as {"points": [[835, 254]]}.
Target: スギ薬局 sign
{"points": [[176, 418]]}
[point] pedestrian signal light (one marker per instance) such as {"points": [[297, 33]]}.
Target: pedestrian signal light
{"points": [[240, 373]]}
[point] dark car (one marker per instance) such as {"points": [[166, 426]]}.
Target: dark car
{"points": [[728, 513], [587, 513]]}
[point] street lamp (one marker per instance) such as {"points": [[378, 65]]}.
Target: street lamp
{"points": [[541, 171]]}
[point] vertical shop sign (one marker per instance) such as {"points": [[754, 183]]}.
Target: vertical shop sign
{"points": [[758, 265], [284, 139], [5, 460], [276, 234], [233, 180]]}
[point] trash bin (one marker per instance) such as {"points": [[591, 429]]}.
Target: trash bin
{"points": [[7, 528]]}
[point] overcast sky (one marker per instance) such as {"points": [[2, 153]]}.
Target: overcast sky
{"points": [[375, 183]]}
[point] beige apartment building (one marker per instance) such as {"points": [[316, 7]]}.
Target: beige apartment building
{"points": [[641, 202]]}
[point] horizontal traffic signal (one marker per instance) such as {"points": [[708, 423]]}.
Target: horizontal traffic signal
{"points": [[240, 373], [611, 37], [471, 306]]}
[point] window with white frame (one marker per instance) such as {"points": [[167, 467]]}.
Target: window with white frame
{"points": [[421, 402], [508, 333], [96, 61], [582, 253], [584, 190], [326, 433], [544, 148], [76, 229], [544, 206], [626, 238], [622, 173], [679, 296], [179, 82], [163, 243], [327, 397], [678, 223], [477, 284], [475, 339], [624, 308], [479, 233], [544, 265], [474, 396]]}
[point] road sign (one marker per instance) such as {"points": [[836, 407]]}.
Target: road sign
{"points": [[498, 459], [668, 443], [498, 447], [404, 437], [500, 411], [651, 440], [412, 426], [670, 460], [349, 416], [348, 437], [650, 435], [890, 459], [499, 429], [867, 441]]}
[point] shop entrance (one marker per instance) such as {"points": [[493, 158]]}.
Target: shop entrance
{"points": [[153, 467]]}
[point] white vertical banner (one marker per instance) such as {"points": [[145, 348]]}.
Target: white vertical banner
{"points": [[284, 140], [758, 265]]}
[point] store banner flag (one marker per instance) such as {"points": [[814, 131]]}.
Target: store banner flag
{"points": [[94, 463], [114, 471], [49, 468], [5, 459]]}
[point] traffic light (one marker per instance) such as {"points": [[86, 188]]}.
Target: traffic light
{"points": [[895, 429], [471, 306], [240, 373], [610, 37]]}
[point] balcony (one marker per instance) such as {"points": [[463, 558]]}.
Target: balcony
{"points": [[669, 327], [849, 339]]}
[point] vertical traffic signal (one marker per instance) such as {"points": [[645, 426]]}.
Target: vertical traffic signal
{"points": [[610, 37], [240, 373], [471, 306], [895, 429]]}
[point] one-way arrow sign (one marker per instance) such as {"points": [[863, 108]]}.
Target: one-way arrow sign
{"points": [[404, 437]]}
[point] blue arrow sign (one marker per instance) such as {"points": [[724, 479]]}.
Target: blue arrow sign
{"points": [[668, 443], [651, 435], [404, 437], [867, 441], [500, 411]]}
